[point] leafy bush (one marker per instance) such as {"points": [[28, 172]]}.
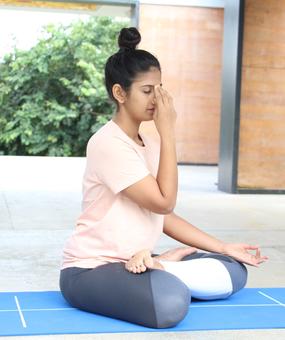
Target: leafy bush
{"points": [[52, 97]]}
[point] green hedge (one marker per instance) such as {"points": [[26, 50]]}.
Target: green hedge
{"points": [[52, 97]]}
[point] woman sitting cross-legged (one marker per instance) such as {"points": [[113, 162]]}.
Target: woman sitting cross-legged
{"points": [[129, 196]]}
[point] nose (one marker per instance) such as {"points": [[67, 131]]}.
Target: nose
{"points": [[153, 101]]}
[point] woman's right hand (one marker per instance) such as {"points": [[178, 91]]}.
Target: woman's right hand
{"points": [[165, 115]]}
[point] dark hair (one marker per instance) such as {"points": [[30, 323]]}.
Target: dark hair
{"points": [[124, 66]]}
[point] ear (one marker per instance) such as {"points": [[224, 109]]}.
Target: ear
{"points": [[118, 93]]}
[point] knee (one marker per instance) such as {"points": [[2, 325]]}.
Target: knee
{"points": [[239, 276], [237, 272], [171, 298]]}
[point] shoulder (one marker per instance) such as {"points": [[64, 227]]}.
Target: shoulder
{"points": [[107, 141]]}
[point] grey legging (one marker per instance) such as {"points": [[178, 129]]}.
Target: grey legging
{"points": [[155, 298]]}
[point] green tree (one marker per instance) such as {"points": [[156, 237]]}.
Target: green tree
{"points": [[52, 97]]}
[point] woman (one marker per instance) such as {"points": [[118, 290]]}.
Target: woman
{"points": [[129, 193]]}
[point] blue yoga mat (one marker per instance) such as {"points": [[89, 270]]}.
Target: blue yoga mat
{"points": [[40, 313]]}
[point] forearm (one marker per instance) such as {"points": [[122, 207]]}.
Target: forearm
{"points": [[167, 177], [182, 231]]}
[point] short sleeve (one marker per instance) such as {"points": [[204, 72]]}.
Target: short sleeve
{"points": [[117, 164]]}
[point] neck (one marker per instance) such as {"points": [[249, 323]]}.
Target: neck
{"points": [[128, 125]]}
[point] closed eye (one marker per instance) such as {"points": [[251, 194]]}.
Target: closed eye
{"points": [[147, 92]]}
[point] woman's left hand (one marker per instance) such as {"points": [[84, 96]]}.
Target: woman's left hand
{"points": [[240, 252]]}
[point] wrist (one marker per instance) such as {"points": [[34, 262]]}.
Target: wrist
{"points": [[223, 248], [168, 136]]}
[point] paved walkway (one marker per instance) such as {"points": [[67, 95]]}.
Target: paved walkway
{"points": [[40, 200]]}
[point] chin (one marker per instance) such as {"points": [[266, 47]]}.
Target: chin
{"points": [[148, 119]]}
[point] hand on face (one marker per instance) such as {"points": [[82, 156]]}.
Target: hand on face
{"points": [[240, 252], [164, 116]]}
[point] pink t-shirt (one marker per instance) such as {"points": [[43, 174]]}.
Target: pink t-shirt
{"points": [[112, 227]]}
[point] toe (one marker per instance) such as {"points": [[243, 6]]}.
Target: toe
{"points": [[148, 262]]}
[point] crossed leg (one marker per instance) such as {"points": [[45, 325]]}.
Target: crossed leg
{"points": [[209, 276]]}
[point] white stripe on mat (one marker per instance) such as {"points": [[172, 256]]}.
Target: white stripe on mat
{"points": [[271, 298], [20, 312]]}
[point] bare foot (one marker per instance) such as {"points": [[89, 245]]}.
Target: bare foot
{"points": [[142, 261], [157, 265], [176, 254]]}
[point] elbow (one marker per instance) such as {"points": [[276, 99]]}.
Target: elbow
{"points": [[167, 209]]}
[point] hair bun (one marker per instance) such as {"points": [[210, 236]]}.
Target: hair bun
{"points": [[129, 38]]}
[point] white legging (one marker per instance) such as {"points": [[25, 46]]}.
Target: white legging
{"points": [[208, 278]]}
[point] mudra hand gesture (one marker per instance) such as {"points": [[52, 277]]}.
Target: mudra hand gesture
{"points": [[241, 253]]}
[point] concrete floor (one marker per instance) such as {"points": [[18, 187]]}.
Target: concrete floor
{"points": [[40, 201]]}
